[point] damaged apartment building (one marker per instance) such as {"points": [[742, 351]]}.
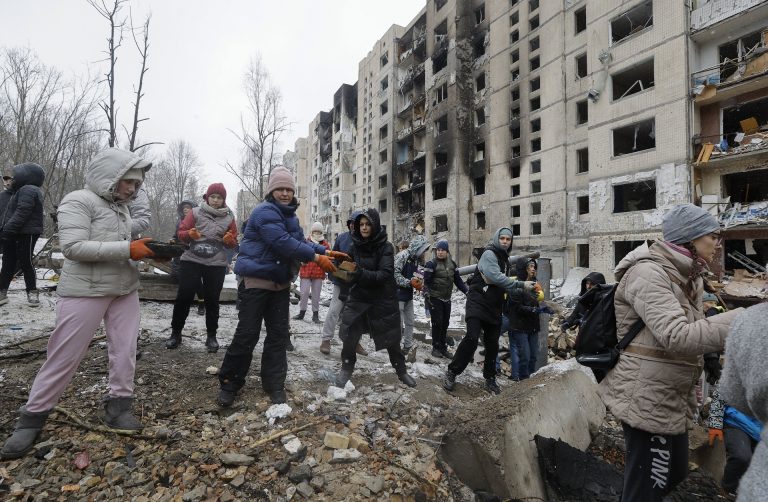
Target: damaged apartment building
{"points": [[569, 121]]}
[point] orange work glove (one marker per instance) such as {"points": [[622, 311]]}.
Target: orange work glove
{"points": [[229, 239], [715, 434], [325, 263], [338, 255], [139, 249], [417, 284], [194, 234]]}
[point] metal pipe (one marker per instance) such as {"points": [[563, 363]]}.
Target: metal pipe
{"points": [[470, 269], [543, 275]]}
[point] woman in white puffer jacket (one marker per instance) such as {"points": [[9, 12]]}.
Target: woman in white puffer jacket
{"points": [[98, 282]]}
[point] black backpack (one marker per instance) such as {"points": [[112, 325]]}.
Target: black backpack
{"points": [[597, 345]]}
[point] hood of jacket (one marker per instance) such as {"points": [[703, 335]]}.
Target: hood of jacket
{"points": [[417, 247], [521, 269], [594, 278], [180, 207], [496, 245], [106, 169], [27, 173], [378, 233]]}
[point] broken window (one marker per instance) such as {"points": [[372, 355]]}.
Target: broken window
{"points": [[536, 186], [441, 93], [535, 103], [534, 63], [582, 160], [637, 196], [383, 60], [582, 204], [441, 223], [732, 54], [479, 185], [622, 249], [478, 45], [441, 160], [535, 84], [533, 23], [480, 220], [479, 117], [383, 205], [515, 133], [439, 190], [382, 156], [514, 211], [536, 166], [515, 112], [746, 187], [480, 14], [515, 74], [535, 125], [516, 230], [385, 83], [534, 44], [383, 181], [441, 124], [535, 145], [582, 255], [533, 5], [384, 107], [514, 191], [754, 112], [480, 151], [480, 82], [439, 63], [634, 79], [634, 137], [582, 112], [514, 37], [514, 18], [515, 151], [514, 57], [536, 228], [383, 132], [632, 21], [580, 20], [535, 208], [581, 65]]}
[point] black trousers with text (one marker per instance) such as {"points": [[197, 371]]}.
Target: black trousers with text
{"points": [[654, 464]]}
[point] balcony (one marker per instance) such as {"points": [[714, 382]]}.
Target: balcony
{"points": [[731, 78], [712, 12], [404, 132]]}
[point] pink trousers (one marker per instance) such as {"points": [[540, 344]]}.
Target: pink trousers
{"points": [[76, 322]]}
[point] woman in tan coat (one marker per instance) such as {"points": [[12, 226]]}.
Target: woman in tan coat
{"points": [[651, 389]]}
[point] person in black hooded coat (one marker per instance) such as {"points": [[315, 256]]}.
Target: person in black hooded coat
{"points": [[21, 225], [592, 279], [372, 305]]}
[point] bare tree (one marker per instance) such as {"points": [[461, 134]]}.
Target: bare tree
{"points": [[182, 163], [143, 49], [260, 129]]}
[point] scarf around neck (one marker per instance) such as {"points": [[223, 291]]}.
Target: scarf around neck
{"points": [[223, 211]]}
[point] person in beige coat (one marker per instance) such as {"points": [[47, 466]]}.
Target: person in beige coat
{"points": [[99, 282], [651, 389]]}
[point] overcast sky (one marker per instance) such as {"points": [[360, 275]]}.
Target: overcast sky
{"points": [[199, 50]]}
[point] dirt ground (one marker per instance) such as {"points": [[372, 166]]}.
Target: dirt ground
{"points": [[185, 451]]}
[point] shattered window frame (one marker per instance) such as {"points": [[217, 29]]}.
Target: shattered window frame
{"points": [[479, 185], [480, 117], [632, 22], [480, 221], [582, 112], [382, 205], [581, 69], [582, 255], [644, 196], [641, 135], [619, 79], [441, 223], [384, 60]]}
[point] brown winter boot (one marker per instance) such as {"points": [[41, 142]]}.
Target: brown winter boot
{"points": [[325, 347]]}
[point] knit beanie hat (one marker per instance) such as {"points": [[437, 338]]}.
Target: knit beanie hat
{"points": [[218, 189], [134, 173], [280, 177], [317, 227], [505, 231], [687, 222], [442, 244]]}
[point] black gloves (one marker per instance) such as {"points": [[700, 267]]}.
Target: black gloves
{"points": [[712, 367]]}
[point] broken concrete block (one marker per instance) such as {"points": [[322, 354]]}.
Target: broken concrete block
{"points": [[305, 490], [357, 441], [335, 440], [375, 484], [236, 459], [293, 446], [345, 455]]}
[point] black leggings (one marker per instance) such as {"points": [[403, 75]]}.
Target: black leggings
{"points": [[17, 253], [191, 275]]}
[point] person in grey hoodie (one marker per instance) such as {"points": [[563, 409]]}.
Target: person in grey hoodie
{"points": [[744, 385], [406, 264], [99, 283]]}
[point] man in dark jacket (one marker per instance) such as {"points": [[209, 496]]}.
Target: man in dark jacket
{"points": [[343, 243], [591, 280], [273, 244], [5, 196], [372, 304], [440, 275], [483, 311], [21, 225]]}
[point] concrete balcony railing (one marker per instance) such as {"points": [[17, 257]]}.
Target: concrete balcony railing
{"points": [[709, 12]]}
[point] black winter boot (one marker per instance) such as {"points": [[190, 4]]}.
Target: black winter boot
{"points": [[211, 343], [201, 308], [23, 438], [343, 377], [299, 316], [119, 415], [174, 340], [226, 398], [449, 380], [491, 386], [316, 318], [277, 396], [407, 379]]}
